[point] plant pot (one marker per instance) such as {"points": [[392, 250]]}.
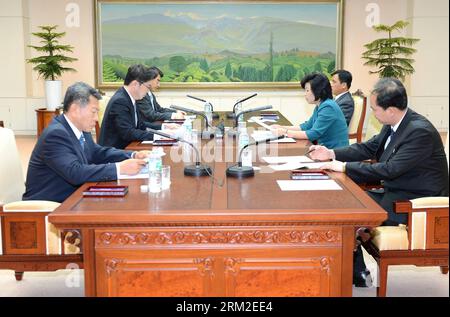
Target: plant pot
{"points": [[53, 90]]}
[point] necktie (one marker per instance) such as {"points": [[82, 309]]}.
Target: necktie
{"points": [[390, 138], [82, 141]]}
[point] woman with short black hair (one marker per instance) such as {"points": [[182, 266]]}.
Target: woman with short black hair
{"points": [[327, 125]]}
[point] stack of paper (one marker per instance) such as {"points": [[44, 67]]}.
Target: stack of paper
{"points": [[296, 185]]}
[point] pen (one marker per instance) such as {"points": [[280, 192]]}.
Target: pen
{"points": [[309, 151]]}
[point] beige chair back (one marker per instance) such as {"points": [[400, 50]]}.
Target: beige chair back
{"points": [[373, 126], [12, 184], [356, 124], [102, 105]]}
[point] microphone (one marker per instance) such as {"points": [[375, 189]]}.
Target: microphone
{"points": [[249, 110], [205, 134], [240, 171], [231, 115], [196, 98], [191, 170], [214, 115]]}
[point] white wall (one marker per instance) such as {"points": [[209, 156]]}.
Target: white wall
{"points": [[22, 92], [428, 93]]}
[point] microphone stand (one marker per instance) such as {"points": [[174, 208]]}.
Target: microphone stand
{"points": [[192, 170], [239, 171], [206, 134], [232, 115], [234, 132], [214, 115]]}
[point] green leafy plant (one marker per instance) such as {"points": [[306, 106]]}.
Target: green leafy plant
{"points": [[49, 65], [391, 55]]}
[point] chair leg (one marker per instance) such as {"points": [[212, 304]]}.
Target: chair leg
{"points": [[382, 282], [444, 269], [18, 275]]}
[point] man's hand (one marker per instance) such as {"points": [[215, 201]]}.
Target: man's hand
{"points": [[321, 153], [141, 154], [131, 166], [178, 115], [334, 165]]}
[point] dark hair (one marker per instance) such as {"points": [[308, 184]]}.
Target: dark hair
{"points": [[320, 86], [155, 71], [138, 72], [80, 93], [344, 77], [390, 92]]}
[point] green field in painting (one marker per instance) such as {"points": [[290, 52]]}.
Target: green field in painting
{"points": [[288, 66]]}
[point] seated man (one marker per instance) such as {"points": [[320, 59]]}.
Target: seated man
{"points": [[410, 157], [341, 82], [149, 107], [65, 156], [122, 123]]}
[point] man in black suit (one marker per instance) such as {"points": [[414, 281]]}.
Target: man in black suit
{"points": [[409, 154], [149, 107], [65, 156], [122, 122], [341, 82]]}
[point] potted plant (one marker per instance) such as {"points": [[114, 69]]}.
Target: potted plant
{"points": [[49, 66], [391, 55]]}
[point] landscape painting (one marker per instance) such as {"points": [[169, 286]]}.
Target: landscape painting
{"points": [[218, 42]]}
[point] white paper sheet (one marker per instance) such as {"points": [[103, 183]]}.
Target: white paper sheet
{"points": [[261, 123], [295, 165], [252, 119], [297, 185], [284, 140], [286, 159], [137, 176]]}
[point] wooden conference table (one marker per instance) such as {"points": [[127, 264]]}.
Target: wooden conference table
{"points": [[245, 238]]}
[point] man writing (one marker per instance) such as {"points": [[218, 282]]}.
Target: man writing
{"points": [[65, 156], [409, 154]]}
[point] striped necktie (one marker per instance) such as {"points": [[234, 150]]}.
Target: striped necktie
{"points": [[82, 141]]}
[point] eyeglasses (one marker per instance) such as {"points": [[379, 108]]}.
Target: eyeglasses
{"points": [[148, 87]]}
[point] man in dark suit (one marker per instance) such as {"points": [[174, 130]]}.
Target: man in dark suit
{"points": [[65, 156], [122, 122], [409, 154], [149, 107], [341, 82]]}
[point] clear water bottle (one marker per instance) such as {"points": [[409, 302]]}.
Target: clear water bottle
{"points": [[187, 132], [208, 112], [244, 139], [154, 172]]}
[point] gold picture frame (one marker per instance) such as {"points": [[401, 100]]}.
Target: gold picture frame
{"points": [[191, 43]]}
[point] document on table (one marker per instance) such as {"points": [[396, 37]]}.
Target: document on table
{"points": [[295, 165], [298, 185], [143, 173], [259, 135], [252, 119], [261, 123], [137, 176], [286, 159]]}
